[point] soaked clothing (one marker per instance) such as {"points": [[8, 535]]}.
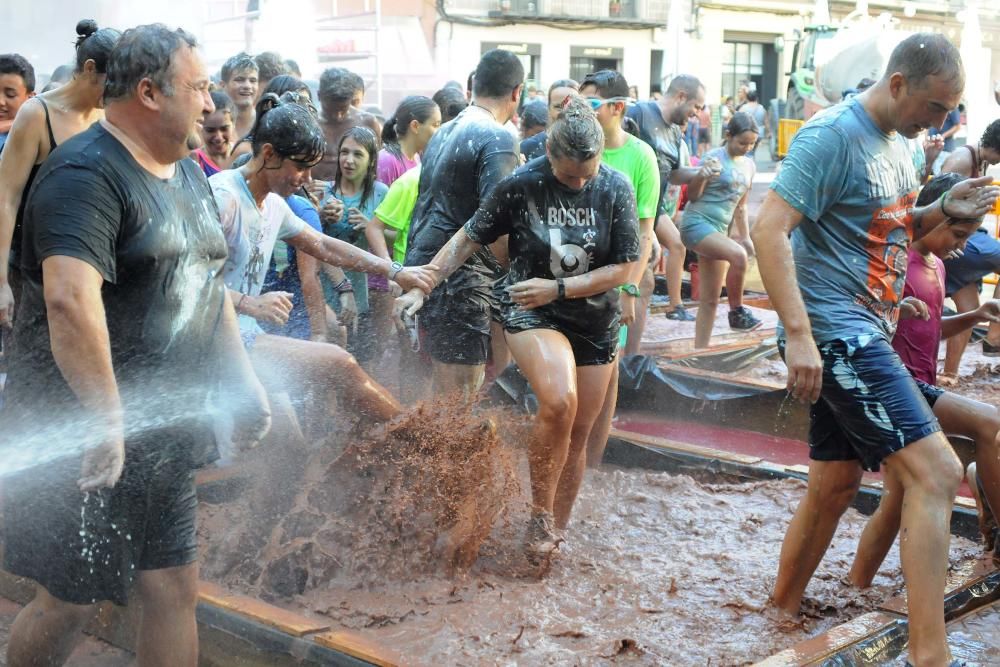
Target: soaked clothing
{"points": [[917, 341], [533, 147], [855, 187], [283, 275], [344, 231], [148, 521], [462, 164], [664, 138], [981, 258], [157, 245], [713, 212], [250, 234], [557, 232], [870, 405]]}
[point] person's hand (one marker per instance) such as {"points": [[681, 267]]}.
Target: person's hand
{"points": [[912, 308], [6, 305], [627, 303], [103, 462], [408, 305], [318, 189], [251, 413], [805, 368], [348, 310], [989, 311], [710, 168], [529, 294], [972, 198], [394, 289], [418, 277], [272, 307], [955, 254], [332, 211], [356, 219]]}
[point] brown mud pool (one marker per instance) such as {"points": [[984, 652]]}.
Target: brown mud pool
{"points": [[656, 569]]}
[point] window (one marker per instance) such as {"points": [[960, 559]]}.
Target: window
{"points": [[741, 61]]}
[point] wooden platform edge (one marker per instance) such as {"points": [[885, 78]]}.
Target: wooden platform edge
{"points": [[687, 448]]}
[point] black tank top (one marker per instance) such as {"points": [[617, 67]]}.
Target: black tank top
{"points": [[15, 241]]}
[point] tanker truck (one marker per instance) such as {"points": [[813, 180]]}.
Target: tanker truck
{"points": [[828, 60]]}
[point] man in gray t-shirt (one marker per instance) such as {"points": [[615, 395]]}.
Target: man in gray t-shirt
{"points": [[845, 196]]}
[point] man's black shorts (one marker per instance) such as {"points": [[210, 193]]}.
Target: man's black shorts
{"points": [[456, 319], [85, 548], [870, 406]]}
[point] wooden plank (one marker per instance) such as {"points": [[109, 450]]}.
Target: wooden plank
{"points": [[359, 647], [829, 643], [760, 383], [674, 445], [275, 617]]}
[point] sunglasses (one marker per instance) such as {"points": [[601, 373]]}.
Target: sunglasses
{"points": [[597, 102]]}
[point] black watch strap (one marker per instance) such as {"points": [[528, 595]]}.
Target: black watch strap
{"points": [[561, 285]]}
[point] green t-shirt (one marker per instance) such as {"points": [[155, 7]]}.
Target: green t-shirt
{"points": [[637, 161], [396, 209]]}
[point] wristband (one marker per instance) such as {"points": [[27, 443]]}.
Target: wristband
{"points": [[631, 290], [239, 304], [944, 198], [561, 287]]}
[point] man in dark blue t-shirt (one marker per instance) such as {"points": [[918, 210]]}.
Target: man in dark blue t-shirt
{"points": [[952, 124]]}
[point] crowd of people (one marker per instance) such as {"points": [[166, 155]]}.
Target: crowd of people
{"points": [[204, 243]]}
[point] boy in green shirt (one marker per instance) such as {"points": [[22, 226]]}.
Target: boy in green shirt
{"points": [[394, 213], [608, 94]]}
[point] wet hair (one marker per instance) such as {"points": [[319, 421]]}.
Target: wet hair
{"points": [[94, 44], [991, 136], [499, 72], [451, 101], [456, 85], [608, 83], [752, 96], [339, 85], [238, 63], [926, 54], [223, 102], [741, 122], [285, 83], [145, 52], [535, 114], [289, 126], [15, 63], [292, 67], [269, 65], [934, 190], [576, 134], [412, 108], [685, 83], [561, 83], [366, 138]]}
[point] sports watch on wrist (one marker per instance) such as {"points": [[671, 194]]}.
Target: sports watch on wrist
{"points": [[631, 290], [394, 270]]}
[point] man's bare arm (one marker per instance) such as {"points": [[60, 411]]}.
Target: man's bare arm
{"points": [[770, 235], [78, 332]]}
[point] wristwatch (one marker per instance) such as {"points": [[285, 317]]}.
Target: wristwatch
{"points": [[631, 290], [394, 270]]}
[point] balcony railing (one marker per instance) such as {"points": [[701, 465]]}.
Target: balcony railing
{"points": [[610, 11]]}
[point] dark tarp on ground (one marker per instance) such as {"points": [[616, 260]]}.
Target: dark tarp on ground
{"points": [[640, 374]]}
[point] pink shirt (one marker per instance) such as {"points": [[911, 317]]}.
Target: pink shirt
{"points": [[917, 341], [391, 167]]}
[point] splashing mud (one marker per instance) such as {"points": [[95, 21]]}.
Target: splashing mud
{"points": [[657, 569], [417, 497]]}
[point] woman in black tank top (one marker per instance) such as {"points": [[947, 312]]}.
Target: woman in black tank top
{"points": [[41, 124]]}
